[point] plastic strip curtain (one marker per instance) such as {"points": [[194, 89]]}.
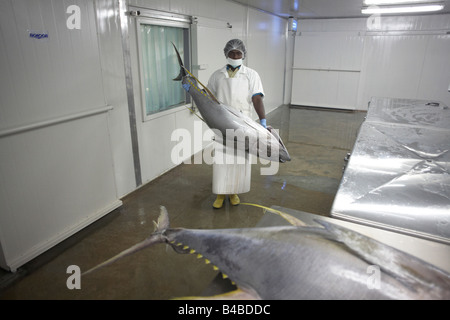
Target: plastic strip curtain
{"points": [[160, 66]]}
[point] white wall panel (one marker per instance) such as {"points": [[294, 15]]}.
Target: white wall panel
{"points": [[413, 66], [164, 5], [327, 68], [435, 77], [393, 66], [403, 57], [347, 89], [266, 46], [48, 77], [330, 50], [155, 146], [55, 180], [322, 88], [203, 8]]}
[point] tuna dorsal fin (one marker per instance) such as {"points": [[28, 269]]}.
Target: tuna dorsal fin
{"points": [[163, 220]]}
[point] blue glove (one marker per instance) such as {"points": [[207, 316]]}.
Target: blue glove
{"points": [[263, 122], [186, 86]]}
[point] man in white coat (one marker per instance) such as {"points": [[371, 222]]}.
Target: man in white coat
{"points": [[239, 87]]}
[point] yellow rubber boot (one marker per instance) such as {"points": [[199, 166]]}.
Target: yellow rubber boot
{"points": [[219, 201], [234, 199]]}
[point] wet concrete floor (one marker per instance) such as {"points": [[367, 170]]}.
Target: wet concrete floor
{"points": [[318, 141]]}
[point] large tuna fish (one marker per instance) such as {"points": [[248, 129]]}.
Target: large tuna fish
{"points": [[301, 262]]}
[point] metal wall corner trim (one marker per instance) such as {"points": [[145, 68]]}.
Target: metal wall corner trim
{"points": [[129, 88]]}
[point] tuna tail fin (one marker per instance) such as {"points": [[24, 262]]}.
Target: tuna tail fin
{"points": [[182, 69], [156, 237], [184, 72]]}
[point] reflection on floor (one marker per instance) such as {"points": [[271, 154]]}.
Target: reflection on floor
{"points": [[318, 141]]}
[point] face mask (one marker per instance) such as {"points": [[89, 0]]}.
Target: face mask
{"points": [[234, 62]]}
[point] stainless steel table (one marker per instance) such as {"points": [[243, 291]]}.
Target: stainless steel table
{"points": [[398, 174], [416, 113]]}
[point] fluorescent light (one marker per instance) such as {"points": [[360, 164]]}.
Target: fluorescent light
{"points": [[402, 9]]}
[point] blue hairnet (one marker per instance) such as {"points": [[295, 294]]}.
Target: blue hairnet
{"points": [[235, 44]]}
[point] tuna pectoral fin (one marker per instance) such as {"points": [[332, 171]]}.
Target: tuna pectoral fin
{"points": [[163, 220], [232, 295]]}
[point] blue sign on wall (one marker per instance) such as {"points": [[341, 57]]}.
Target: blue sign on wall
{"points": [[38, 35]]}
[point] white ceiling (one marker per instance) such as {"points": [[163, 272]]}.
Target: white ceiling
{"points": [[304, 9]]}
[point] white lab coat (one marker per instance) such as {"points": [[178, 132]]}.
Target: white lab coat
{"points": [[235, 92]]}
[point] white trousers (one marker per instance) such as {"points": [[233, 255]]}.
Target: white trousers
{"points": [[233, 175]]}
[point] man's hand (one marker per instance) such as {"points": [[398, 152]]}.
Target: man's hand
{"points": [[186, 87]]}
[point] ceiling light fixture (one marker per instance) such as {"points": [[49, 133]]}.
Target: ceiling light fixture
{"points": [[402, 9], [393, 2]]}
